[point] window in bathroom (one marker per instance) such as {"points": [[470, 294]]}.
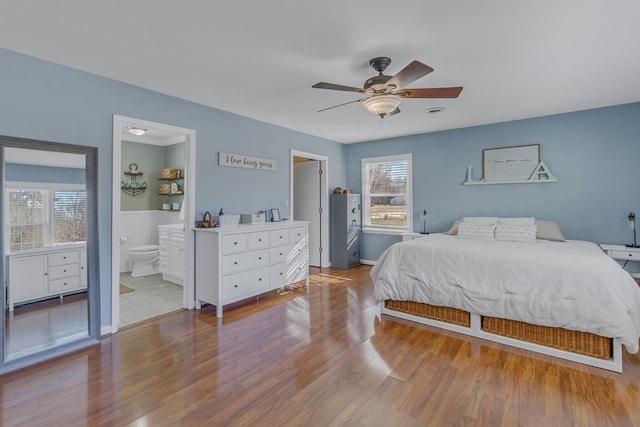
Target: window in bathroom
{"points": [[40, 217]]}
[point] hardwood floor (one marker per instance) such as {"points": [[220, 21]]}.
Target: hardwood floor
{"points": [[315, 357]]}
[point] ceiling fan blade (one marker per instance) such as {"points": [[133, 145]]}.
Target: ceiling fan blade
{"points": [[434, 92], [409, 74], [323, 85], [394, 112], [340, 105]]}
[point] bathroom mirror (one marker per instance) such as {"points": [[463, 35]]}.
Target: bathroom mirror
{"points": [[49, 250]]}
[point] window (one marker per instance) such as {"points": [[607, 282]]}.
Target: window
{"points": [[387, 194], [40, 217], [69, 216]]}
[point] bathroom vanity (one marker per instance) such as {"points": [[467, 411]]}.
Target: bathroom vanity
{"points": [[54, 271], [171, 242], [237, 262]]}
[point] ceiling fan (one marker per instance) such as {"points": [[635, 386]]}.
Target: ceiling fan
{"points": [[384, 93]]}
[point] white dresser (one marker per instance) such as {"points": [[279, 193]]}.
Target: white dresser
{"points": [[45, 273], [171, 242], [238, 262]]}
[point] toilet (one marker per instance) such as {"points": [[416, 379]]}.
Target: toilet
{"points": [[144, 260]]}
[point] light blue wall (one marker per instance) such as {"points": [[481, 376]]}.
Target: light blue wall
{"points": [[593, 153], [41, 100], [32, 173]]}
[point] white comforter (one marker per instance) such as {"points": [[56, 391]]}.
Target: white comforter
{"points": [[572, 284]]}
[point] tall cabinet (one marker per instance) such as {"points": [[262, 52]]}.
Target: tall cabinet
{"points": [[345, 230]]}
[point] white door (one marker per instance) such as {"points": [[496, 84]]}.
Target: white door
{"points": [[306, 203]]}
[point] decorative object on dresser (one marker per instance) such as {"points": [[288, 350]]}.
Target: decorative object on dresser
{"points": [[133, 187], [171, 239], [207, 221], [632, 225], [345, 230], [275, 215], [45, 273], [236, 263]]}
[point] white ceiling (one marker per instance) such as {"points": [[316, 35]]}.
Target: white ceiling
{"points": [[515, 59]]}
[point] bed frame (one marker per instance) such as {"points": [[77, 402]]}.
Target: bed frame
{"points": [[576, 346]]}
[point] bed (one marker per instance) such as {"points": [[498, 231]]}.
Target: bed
{"points": [[562, 298]]}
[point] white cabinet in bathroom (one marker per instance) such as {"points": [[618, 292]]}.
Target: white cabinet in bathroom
{"points": [[44, 273], [171, 239], [237, 262]]}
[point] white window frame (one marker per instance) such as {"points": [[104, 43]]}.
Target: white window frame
{"points": [[366, 214], [49, 189]]}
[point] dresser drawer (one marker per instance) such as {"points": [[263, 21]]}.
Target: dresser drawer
{"points": [[279, 237], [279, 254], [278, 275], [297, 234], [245, 283], [61, 258], [242, 261], [60, 271], [234, 243], [63, 285], [632, 255], [176, 236], [258, 240], [163, 233]]}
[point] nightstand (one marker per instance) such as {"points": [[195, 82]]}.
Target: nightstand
{"points": [[412, 236], [622, 253]]}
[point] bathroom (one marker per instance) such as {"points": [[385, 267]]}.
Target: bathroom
{"points": [[151, 229]]}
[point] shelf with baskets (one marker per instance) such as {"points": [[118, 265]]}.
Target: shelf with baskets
{"points": [[173, 179]]}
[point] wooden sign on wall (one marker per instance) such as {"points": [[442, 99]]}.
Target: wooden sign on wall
{"points": [[242, 161]]}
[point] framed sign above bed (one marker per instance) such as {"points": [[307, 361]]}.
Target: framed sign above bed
{"points": [[510, 163]]}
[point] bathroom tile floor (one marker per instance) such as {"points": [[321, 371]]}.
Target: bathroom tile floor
{"points": [[151, 297]]}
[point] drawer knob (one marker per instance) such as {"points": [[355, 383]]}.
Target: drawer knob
{"points": [[235, 262], [259, 240], [259, 279], [260, 258], [235, 286], [281, 237], [65, 271], [281, 253], [281, 273], [235, 243]]}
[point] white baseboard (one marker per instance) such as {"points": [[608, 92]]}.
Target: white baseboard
{"points": [[367, 262]]}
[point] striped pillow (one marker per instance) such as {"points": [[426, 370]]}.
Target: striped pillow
{"points": [[516, 233], [472, 230]]}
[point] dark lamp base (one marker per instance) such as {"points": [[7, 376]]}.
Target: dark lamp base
{"points": [[633, 246], [424, 232]]}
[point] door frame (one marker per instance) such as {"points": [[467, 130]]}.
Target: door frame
{"points": [[120, 123], [324, 201]]}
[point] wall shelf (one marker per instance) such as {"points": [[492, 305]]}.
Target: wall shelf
{"points": [[541, 174], [539, 181]]}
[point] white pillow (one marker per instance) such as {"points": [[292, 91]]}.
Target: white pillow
{"points": [[516, 233], [493, 220], [471, 230], [548, 230], [517, 221]]}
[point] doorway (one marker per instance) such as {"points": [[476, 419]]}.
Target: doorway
{"points": [[157, 134], [309, 202]]}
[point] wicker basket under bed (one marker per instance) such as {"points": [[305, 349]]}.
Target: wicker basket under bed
{"points": [[443, 314], [559, 338]]}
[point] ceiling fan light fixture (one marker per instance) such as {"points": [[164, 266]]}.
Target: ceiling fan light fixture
{"points": [[136, 131], [381, 105]]}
